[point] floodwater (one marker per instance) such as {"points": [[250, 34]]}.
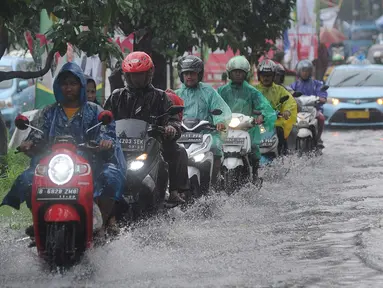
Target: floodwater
{"points": [[315, 223]]}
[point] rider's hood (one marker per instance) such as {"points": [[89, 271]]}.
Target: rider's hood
{"points": [[75, 70]]}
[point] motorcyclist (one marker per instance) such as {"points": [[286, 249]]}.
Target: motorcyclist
{"points": [[245, 99], [279, 79], [73, 115], [141, 100], [91, 90], [309, 87], [274, 93], [200, 99], [337, 60]]}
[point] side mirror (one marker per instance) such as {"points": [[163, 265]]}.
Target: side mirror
{"points": [[216, 112], [297, 94], [23, 84], [22, 122], [174, 110], [284, 99], [324, 88], [105, 117]]}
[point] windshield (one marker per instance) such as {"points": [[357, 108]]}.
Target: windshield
{"points": [[363, 34], [7, 83], [131, 128], [350, 78]]}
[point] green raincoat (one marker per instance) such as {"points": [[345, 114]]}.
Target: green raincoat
{"points": [[245, 99], [199, 101]]}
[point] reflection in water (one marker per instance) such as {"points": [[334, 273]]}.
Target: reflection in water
{"points": [[315, 223]]}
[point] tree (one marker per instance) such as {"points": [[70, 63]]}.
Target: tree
{"points": [[172, 27], [165, 29], [18, 16]]}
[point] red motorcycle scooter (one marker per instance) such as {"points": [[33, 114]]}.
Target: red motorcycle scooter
{"points": [[62, 198]]}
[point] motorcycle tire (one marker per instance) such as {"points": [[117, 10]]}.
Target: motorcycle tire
{"points": [[60, 247], [305, 145]]}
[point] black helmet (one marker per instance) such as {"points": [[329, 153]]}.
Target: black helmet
{"points": [[280, 70], [190, 63]]}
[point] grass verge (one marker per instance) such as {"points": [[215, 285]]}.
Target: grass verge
{"points": [[17, 163]]}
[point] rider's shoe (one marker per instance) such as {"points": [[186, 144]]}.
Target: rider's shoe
{"points": [[320, 144], [175, 197]]}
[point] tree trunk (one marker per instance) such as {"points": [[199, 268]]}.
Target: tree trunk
{"points": [[143, 42], [3, 39]]}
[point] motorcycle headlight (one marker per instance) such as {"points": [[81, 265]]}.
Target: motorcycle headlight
{"points": [[7, 103], [262, 129], [333, 101], [199, 157], [234, 122], [61, 169], [136, 165]]}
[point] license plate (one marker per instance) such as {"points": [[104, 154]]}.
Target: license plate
{"points": [[235, 141], [191, 138], [358, 114], [57, 194], [132, 144]]}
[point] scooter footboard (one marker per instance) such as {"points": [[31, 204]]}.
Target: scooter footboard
{"points": [[61, 213], [232, 163], [193, 171]]}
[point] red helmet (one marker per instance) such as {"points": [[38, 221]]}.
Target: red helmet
{"points": [[137, 62]]}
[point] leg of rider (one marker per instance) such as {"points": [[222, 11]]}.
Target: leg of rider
{"points": [[108, 190], [281, 140], [20, 190], [321, 121], [218, 153], [177, 158], [254, 158]]}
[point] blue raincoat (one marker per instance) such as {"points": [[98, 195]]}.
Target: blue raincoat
{"points": [[310, 87], [108, 168]]}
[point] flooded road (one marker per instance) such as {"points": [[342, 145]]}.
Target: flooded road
{"points": [[317, 226]]}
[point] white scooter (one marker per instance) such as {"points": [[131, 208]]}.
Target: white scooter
{"points": [[198, 147], [236, 166], [307, 124]]}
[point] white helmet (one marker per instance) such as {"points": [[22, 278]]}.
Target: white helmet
{"points": [[266, 65]]}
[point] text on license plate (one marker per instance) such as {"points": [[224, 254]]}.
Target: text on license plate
{"points": [[235, 141], [58, 194], [358, 114], [132, 144], [191, 138]]}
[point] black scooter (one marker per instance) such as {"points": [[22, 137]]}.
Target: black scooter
{"points": [[147, 172]]}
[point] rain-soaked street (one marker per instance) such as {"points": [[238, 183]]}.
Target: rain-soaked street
{"points": [[317, 226]]}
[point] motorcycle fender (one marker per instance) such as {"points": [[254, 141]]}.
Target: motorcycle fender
{"points": [[232, 163], [61, 213], [193, 171], [304, 133]]}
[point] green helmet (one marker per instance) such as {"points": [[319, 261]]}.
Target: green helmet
{"points": [[238, 63], [337, 57]]}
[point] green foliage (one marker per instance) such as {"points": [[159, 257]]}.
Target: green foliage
{"points": [[17, 164], [19, 16], [241, 24]]}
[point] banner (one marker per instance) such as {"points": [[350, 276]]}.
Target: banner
{"points": [[328, 16], [306, 29]]}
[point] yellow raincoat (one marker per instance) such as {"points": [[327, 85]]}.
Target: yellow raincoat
{"points": [[274, 94]]}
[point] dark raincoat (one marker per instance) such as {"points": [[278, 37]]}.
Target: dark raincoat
{"points": [[108, 167]]}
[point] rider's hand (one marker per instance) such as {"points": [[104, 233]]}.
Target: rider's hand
{"points": [[322, 100], [25, 146], [170, 131], [105, 145], [221, 127], [259, 120], [286, 114]]}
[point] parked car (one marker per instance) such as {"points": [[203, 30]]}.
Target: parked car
{"points": [[16, 95], [355, 96]]}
